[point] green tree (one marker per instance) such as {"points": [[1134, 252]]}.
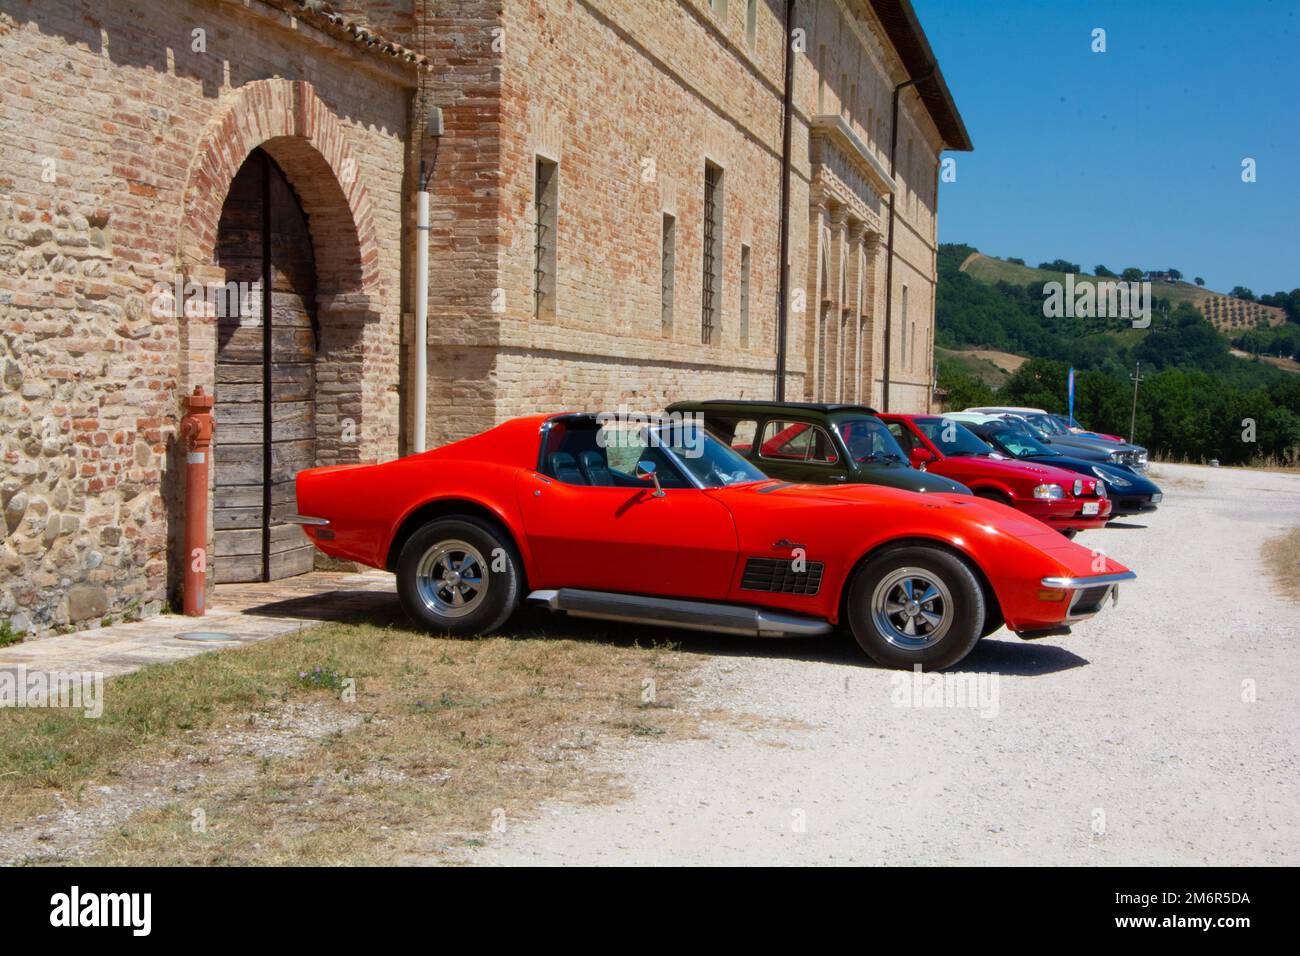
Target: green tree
{"points": [[1199, 281], [1103, 273], [1132, 274], [960, 388], [1061, 265], [1187, 340]]}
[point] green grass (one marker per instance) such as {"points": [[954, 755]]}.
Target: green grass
{"points": [[977, 366], [429, 735], [990, 269], [8, 635]]}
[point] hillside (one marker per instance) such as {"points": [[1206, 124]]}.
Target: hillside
{"points": [[989, 366], [994, 344], [1224, 312]]}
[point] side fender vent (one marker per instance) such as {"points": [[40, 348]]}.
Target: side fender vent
{"points": [[778, 575]]}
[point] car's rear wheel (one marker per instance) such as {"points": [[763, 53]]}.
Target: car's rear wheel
{"points": [[916, 605], [459, 576]]}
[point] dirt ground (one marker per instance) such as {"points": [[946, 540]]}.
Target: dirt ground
{"points": [[1166, 731]]}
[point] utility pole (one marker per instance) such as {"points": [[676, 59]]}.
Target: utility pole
{"points": [[1132, 419]]}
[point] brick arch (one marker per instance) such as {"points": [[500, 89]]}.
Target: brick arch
{"points": [[288, 120]]}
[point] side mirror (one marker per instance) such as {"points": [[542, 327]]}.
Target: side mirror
{"points": [[645, 470], [920, 457]]}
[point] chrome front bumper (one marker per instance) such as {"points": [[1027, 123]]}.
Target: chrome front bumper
{"points": [[1089, 594]]}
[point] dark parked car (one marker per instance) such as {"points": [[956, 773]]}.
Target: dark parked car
{"points": [[1047, 430], [815, 442], [1130, 493]]}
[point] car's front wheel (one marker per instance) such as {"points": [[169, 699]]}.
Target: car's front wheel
{"points": [[459, 576], [916, 605]]}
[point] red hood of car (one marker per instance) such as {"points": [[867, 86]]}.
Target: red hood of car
{"points": [[940, 507], [1006, 468], [819, 510]]}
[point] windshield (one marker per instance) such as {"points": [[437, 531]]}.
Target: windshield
{"points": [[1020, 444], [1047, 424], [868, 440], [711, 462], [952, 438]]}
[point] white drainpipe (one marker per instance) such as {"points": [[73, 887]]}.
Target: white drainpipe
{"points": [[421, 316]]}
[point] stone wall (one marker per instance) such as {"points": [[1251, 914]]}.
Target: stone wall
{"points": [[120, 131], [630, 100], [115, 130]]}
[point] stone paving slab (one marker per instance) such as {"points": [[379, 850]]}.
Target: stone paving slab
{"points": [[247, 612]]}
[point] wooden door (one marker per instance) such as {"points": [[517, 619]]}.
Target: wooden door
{"points": [[266, 383]]}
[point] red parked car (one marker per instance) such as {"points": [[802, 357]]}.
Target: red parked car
{"points": [[1062, 499], [664, 524]]}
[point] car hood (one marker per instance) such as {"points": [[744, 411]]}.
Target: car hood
{"points": [[1095, 444], [1079, 450], [1137, 484], [909, 479], [1013, 468], [764, 509]]}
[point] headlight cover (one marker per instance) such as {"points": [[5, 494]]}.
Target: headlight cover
{"points": [[1050, 492], [1078, 487], [1114, 477]]}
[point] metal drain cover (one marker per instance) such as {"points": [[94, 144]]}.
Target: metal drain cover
{"points": [[206, 636]]}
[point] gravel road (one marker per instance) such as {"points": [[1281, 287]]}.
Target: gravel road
{"points": [[1135, 740]]}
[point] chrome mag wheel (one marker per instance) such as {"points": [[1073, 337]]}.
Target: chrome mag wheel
{"points": [[452, 578], [912, 608]]}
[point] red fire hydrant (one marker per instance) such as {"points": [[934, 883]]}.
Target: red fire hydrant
{"points": [[196, 432]]}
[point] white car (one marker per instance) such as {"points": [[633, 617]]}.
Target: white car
{"points": [[996, 410], [972, 418]]}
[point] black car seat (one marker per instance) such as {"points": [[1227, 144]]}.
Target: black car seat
{"points": [[564, 468], [594, 468]]}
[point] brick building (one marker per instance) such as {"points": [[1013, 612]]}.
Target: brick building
{"points": [[605, 230]]}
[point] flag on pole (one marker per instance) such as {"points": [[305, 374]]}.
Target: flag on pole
{"points": [[1072, 421]]}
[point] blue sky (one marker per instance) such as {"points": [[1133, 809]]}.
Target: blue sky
{"points": [[1130, 157]]}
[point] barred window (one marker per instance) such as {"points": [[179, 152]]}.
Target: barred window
{"points": [[711, 300], [744, 295], [668, 268], [545, 190]]}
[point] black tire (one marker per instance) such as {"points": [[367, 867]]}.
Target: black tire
{"points": [[1070, 533], [988, 494], [431, 553], [960, 607], [992, 618]]}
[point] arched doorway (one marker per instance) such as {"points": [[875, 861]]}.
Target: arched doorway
{"points": [[267, 340]]}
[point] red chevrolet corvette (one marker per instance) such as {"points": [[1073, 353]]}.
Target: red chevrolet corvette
{"points": [[1062, 499], [661, 523]]}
